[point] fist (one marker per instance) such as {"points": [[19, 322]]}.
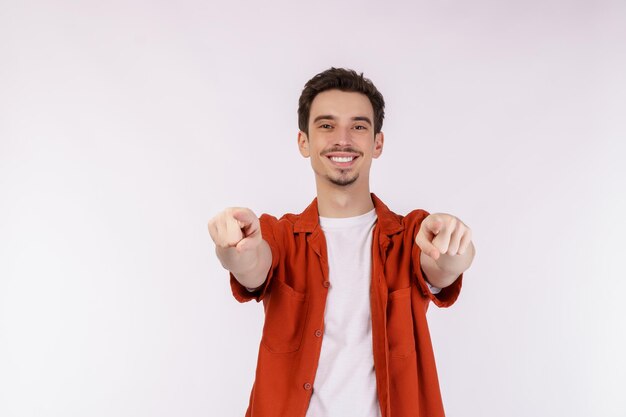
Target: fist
{"points": [[236, 227], [443, 233]]}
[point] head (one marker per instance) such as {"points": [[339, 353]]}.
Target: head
{"points": [[340, 116], [343, 80]]}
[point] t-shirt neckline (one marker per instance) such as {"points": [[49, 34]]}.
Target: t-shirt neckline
{"points": [[342, 222]]}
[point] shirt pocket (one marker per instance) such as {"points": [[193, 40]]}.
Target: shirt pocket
{"points": [[400, 323], [285, 315]]}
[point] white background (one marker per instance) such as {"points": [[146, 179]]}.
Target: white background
{"points": [[126, 125]]}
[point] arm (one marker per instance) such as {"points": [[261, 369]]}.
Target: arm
{"points": [[240, 247], [447, 249]]}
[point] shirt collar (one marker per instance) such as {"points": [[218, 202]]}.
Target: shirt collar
{"points": [[388, 221]]}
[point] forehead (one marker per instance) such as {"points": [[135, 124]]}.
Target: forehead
{"points": [[341, 104]]}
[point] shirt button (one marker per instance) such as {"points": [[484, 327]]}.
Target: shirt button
{"points": [[318, 333], [326, 284], [307, 386]]}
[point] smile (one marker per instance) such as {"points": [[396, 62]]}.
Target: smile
{"points": [[342, 161], [342, 158]]}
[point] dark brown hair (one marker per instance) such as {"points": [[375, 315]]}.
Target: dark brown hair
{"points": [[344, 80]]}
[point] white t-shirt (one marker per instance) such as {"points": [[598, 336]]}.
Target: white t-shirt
{"points": [[345, 383]]}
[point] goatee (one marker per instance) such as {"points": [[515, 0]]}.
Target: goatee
{"points": [[343, 181]]}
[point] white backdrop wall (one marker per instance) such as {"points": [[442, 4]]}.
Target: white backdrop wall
{"points": [[126, 125]]}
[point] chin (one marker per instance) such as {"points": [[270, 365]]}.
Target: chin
{"points": [[344, 182]]}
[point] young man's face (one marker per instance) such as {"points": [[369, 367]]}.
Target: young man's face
{"points": [[341, 141]]}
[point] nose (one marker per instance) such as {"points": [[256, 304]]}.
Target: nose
{"points": [[343, 136]]}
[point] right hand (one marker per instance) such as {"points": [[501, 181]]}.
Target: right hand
{"points": [[236, 227]]}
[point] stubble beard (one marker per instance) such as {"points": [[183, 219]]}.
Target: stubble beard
{"points": [[343, 181]]}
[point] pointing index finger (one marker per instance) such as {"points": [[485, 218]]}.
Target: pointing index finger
{"points": [[244, 216]]}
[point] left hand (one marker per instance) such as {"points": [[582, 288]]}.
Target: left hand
{"points": [[442, 233]]}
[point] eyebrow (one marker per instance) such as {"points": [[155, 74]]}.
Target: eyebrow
{"points": [[331, 117]]}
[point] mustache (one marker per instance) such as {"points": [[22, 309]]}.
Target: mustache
{"points": [[342, 149]]}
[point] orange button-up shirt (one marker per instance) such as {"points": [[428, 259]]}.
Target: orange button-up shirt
{"points": [[294, 297]]}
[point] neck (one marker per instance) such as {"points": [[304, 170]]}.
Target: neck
{"points": [[343, 201]]}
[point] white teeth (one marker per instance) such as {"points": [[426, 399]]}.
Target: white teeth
{"points": [[341, 158]]}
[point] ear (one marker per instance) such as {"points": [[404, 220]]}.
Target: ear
{"points": [[303, 144], [379, 141]]}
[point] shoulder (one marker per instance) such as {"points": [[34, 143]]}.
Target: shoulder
{"points": [[412, 221], [416, 215], [286, 221], [293, 223], [279, 231]]}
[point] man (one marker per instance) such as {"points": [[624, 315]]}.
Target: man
{"points": [[346, 283]]}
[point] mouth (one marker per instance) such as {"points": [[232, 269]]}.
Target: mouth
{"points": [[342, 159]]}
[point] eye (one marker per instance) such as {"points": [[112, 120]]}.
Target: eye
{"points": [[326, 126], [360, 127]]}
